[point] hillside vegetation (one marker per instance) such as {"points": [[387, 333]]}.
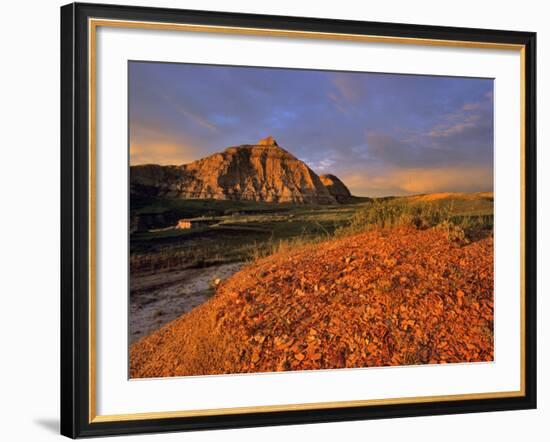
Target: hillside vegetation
{"points": [[244, 230]]}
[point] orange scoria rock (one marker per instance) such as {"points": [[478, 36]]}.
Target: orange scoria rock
{"points": [[385, 297]]}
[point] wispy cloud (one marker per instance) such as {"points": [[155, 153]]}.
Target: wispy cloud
{"points": [[193, 116], [338, 102], [348, 87], [159, 153], [346, 92], [471, 106], [469, 116], [150, 145], [322, 166], [417, 180], [451, 129]]}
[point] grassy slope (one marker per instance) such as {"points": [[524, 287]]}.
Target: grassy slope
{"points": [[246, 230]]}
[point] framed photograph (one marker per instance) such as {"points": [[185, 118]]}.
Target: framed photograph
{"points": [[274, 220]]}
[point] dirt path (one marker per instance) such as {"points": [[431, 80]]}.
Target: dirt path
{"points": [[159, 298]]}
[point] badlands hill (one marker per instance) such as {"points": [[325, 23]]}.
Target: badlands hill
{"points": [[251, 172]]}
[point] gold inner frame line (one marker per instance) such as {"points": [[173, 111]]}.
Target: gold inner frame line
{"points": [[93, 24]]}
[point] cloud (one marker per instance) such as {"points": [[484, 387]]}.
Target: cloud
{"points": [[347, 91], [347, 87], [193, 116], [470, 116], [466, 135], [411, 181], [451, 129], [462, 137], [471, 106], [389, 149], [338, 102], [466, 179], [150, 145], [167, 154], [321, 166]]}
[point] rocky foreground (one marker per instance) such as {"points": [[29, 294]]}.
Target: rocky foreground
{"points": [[384, 297]]}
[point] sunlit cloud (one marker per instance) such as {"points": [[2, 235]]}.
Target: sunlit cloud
{"points": [[412, 181], [470, 116], [453, 129], [193, 116], [149, 145], [348, 87], [157, 153], [338, 102], [471, 106], [467, 179], [201, 121]]}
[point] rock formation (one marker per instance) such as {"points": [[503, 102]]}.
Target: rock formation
{"points": [[255, 172], [336, 187]]}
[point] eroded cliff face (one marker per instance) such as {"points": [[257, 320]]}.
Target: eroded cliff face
{"points": [[254, 172]]}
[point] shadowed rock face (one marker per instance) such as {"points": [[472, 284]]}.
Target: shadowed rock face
{"points": [[336, 187], [254, 172]]}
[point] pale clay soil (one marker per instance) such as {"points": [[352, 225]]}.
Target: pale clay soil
{"points": [[160, 298]]}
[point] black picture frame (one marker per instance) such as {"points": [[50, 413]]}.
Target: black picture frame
{"points": [[75, 221]]}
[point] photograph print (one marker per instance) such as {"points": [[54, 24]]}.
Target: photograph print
{"points": [[291, 219]]}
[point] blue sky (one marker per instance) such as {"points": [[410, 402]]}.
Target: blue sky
{"points": [[382, 134]]}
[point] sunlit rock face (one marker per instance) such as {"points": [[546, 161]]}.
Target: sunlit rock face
{"points": [[252, 172]]}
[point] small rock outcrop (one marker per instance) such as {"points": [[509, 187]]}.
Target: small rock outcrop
{"points": [[336, 188], [267, 141]]}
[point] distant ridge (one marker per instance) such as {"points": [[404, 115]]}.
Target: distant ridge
{"points": [[452, 195], [250, 172]]}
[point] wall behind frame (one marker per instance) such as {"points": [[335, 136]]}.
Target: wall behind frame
{"points": [[29, 225]]}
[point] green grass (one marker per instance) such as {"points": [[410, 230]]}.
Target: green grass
{"points": [[454, 216], [244, 231]]}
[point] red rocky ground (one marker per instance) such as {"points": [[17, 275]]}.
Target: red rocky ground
{"points": [[385, 297]]}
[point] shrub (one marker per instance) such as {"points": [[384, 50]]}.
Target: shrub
{"points": [[391, 214], [454, 233], [459, 228]]}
